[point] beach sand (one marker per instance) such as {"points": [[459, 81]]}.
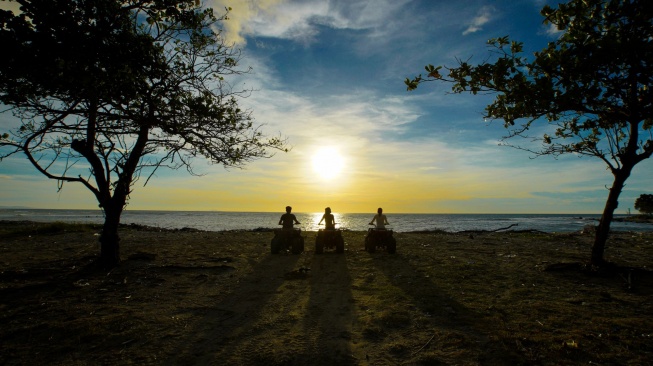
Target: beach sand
{"points": [[220, 298]]}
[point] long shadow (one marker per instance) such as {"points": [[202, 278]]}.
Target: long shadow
{"points": [[451, 324], [225, 328], [328, 318]]}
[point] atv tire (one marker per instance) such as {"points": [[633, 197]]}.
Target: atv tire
{"points": [[319, 244], [275, 245], [370, 245], [297, 245], [340, 244], [391, 245]]}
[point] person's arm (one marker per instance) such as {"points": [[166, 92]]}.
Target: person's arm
{"points": [[386, 220], [321, 220], [372, 222], [295, 218], [281, 220]]}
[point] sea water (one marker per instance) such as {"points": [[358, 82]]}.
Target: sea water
{"points": [[219, 221]]}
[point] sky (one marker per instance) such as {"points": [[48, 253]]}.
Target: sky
{"points": [[329, 77]]}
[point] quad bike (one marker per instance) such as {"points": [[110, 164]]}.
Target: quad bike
{"points": [[329, 239], [287, 239], [380, 238]]}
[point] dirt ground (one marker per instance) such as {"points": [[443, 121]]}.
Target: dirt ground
{"points": [[220, 298]]}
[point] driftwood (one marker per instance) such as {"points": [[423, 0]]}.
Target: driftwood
{"points": [[504, 228], [439, 231], [499, 229]]}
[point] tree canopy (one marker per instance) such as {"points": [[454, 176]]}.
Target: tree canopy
{"points": [[108, 90], [591, 88], [644, 204]]}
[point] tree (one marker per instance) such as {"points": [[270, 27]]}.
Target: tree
{"points": [[591, 87], [110, 90], [644, 204]]}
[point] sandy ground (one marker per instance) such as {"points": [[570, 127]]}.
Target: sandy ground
{"points": [[221, 298]]}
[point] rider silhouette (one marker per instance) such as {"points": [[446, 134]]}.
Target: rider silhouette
{"points": [[381, 220], [288, 219], [329, 220]]}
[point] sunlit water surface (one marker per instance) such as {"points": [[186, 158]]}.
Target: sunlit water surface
{"points": [[218, 221]]}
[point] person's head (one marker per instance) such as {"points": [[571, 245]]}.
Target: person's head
{"points": [[327, 210], [288, 209], [380, 210]]}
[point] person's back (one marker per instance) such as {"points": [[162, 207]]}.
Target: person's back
{"points": [[381, 220], [288, 219], [329, 219], [329, 222]]}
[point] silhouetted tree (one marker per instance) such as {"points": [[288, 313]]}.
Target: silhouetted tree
{"points": [[109, 90], [592, 86], [644, 204]]}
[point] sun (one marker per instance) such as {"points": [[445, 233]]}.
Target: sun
{"points": [[328, 163]]}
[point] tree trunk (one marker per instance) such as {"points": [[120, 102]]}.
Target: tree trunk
{"points": [[110, 240], [113, 206], [603, 230]]}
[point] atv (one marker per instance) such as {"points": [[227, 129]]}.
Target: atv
{"points": [[380, 238], [287, 239], [329, 239]]}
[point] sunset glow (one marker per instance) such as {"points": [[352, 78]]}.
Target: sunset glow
{"points": [[327, 77], [328, 163]]}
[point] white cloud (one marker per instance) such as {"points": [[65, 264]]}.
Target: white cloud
{"points": [[240, 16], [484, 15], [553, 31], [299, 20]]}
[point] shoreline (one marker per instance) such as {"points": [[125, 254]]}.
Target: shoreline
{"points": [[357, 222], [141, 227]]}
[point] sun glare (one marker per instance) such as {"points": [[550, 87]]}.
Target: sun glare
{"points": [[328, 163]]}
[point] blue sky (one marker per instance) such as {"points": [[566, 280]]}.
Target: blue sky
{"points": [[329, 76]]}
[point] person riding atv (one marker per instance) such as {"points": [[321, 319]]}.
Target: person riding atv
{"points": [[329, 237], [287, 238], [380, 236]]}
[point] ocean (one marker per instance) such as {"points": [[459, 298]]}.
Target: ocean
{"points": [[221, 221]]}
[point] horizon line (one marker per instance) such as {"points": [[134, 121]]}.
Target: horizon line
{"points": [[313, 212]]}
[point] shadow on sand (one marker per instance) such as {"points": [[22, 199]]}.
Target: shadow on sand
{"points": [[308, 307], [230, 332], [446, 329], [329, 317]]}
